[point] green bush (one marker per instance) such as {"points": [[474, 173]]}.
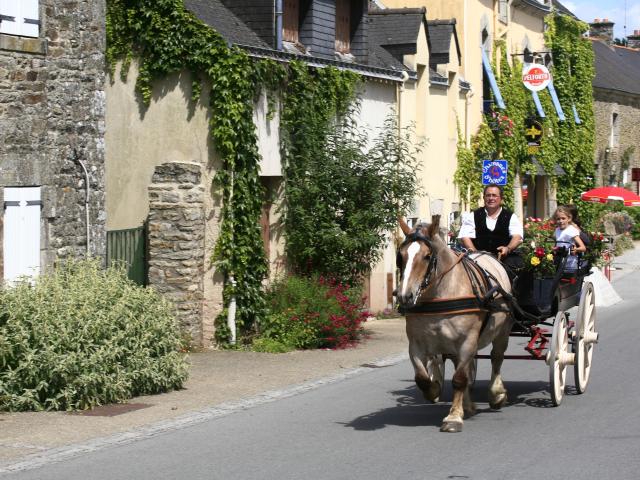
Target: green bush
{"points": [[83, 336], [310, 313]]}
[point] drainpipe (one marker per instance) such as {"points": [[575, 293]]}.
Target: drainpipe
{"points": [[231, 312], [76, 158], [278, 14]]}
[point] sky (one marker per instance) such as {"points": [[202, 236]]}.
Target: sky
{"points": [[614, 10]]}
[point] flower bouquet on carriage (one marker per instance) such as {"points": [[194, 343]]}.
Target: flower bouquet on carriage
{"points": [[536, 282], [539, 247]]}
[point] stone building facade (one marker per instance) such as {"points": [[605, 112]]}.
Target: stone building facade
{"points": [[616, 93], [617, 138], [52, 103]]}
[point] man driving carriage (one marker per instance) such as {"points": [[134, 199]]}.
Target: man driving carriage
{"points": [[494, 229]]}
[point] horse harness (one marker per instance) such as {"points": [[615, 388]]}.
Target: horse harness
{"points": [[484, 285]]}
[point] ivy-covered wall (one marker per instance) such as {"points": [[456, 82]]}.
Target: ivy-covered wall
{"points": [[567, 144]]}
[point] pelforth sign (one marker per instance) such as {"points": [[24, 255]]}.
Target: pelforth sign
{"points": [[535, 76]]}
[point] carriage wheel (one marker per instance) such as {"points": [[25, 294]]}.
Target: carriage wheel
{"points": [[559, 357], [585, 337]]}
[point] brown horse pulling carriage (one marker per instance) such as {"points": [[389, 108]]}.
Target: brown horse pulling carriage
{"points": [[457, 303]]}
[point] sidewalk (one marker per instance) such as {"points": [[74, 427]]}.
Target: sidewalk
{"points": [[220, 382], [626, 263]]}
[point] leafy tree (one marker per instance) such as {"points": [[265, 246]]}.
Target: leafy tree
{"points": [[346, 198]]}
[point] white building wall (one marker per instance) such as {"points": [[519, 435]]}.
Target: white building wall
{"points": [[378, 102]]}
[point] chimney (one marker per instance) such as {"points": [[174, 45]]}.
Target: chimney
{"points": [[633, 41], [602, 29]]}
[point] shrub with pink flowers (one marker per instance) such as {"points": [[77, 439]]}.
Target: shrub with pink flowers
{"points": [[311, 312]]}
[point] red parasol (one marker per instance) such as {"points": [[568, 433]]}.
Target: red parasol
{"points": [[606, 194]]}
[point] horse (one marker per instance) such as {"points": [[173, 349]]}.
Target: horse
{"points": [[454, 305]]}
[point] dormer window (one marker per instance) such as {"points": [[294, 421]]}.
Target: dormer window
{"points": [[291, 21], [343, 26]]}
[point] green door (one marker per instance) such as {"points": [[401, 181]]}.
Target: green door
{"points": [[129, 246]]}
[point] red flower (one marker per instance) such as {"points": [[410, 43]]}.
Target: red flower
{"points": [[539, 252]]}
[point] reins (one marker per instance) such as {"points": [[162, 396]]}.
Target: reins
{"points": [[483, 293]]}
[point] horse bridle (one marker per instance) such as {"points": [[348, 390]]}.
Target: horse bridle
{"points": [[431, 266]]}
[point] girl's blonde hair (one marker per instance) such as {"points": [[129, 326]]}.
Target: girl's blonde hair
{"points": [[566, 210]]}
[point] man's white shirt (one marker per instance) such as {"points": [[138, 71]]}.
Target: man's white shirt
{"points": [[468, 227]]}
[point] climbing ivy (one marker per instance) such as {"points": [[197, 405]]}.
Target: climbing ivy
{"points": [[567, 143], [166, 38], [573, 71]]}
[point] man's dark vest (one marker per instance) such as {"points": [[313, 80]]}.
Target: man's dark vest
{"points": [[485, 238]]}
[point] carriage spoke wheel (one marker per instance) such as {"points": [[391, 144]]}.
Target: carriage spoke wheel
{"points": [[585, 337], [559, 357]]}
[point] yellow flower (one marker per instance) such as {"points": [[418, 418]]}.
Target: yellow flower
{"points": [[550, 257], [535, 261]]}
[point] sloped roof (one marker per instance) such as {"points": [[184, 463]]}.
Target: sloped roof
{"points": [[617, 68], [562, 9], [532, 6], [213, 13], [396, 29], [440, 32], [223, 21]]}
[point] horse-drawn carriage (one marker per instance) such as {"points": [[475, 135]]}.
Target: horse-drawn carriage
{"points": [[456, 303]]}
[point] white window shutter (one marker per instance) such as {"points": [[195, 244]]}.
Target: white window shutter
{"points": [[20, 17], [21, 242], [29, 11], [10, 20]]}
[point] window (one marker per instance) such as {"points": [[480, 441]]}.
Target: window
{"points": [[503, 11], [291, 21], [19, 17], [21, 236], [528, 56], [343, 26], [613, 139]]}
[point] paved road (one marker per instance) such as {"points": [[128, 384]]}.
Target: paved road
{"points": [[375, 426]]}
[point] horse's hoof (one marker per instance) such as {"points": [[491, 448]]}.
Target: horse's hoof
{"points": [[499, 402], [451, 427]]}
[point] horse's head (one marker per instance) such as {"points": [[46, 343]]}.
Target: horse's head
{"points": [[416, 258]]}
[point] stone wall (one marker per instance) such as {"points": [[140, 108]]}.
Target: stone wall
{"points": [[176, 240], [627, 108], [52, 117]]}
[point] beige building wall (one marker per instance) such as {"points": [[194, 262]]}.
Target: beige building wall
{"points": [[378, 102], [137, 140], [525, 29]]}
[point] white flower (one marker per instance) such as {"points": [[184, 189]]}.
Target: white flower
{"points": [[533, 244]]}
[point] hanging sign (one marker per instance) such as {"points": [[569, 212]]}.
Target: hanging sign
{"points": [[494, 172], [533, 133], [535, 76]]}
